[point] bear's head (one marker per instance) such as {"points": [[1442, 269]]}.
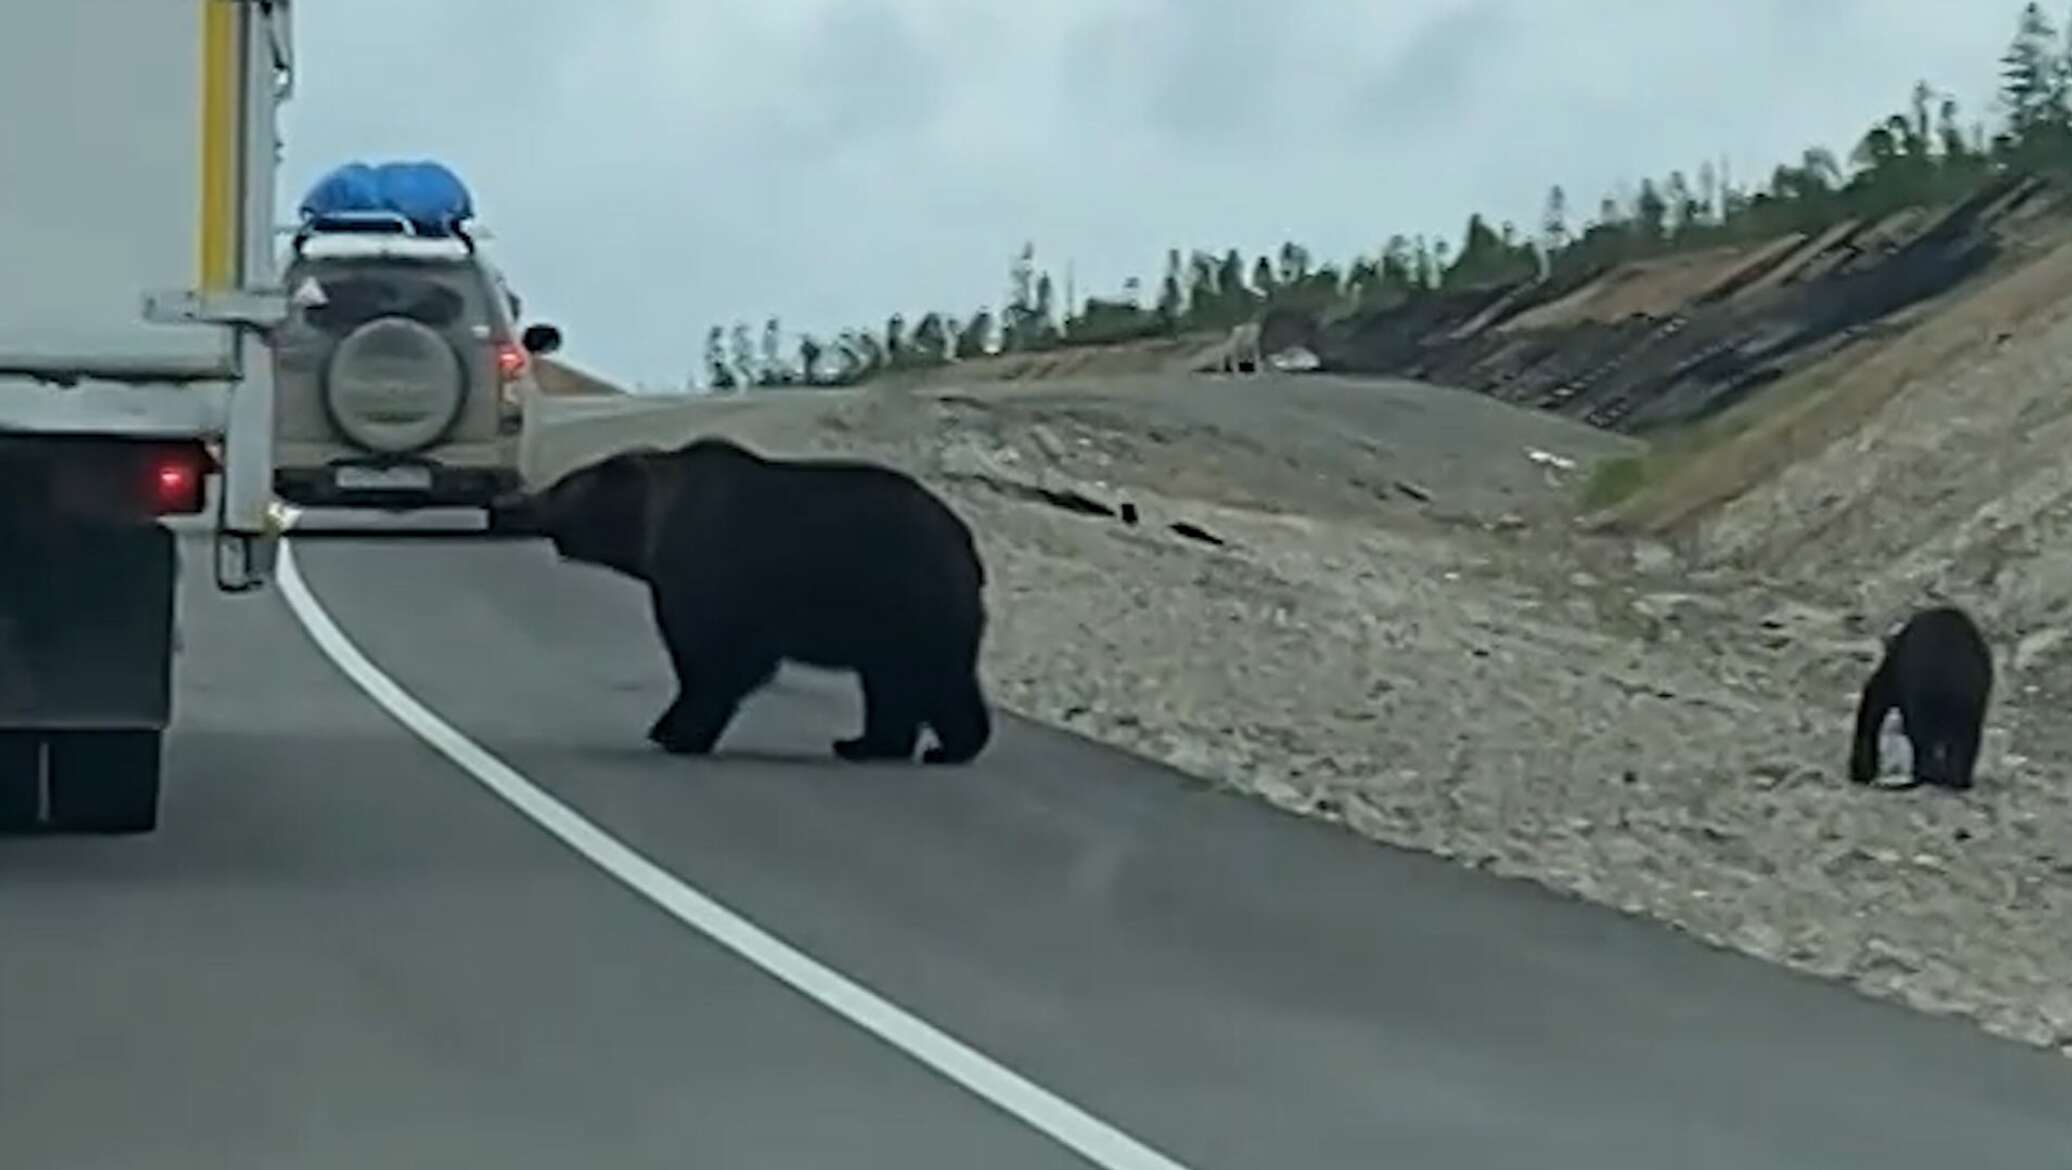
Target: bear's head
{"points": [[598, 514]]}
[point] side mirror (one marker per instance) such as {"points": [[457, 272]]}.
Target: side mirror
{"points": [[540, 339]]}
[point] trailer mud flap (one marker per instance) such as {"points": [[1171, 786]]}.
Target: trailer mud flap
{"points": [[86, 622]]}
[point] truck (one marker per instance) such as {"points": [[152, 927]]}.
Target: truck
{"points": [[140, 157]]}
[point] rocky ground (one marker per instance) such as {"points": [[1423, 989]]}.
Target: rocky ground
{"points": [[1374, 609]]}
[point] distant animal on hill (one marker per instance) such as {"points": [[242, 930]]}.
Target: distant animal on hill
{"points": [[751, 561], [1291, 337], [1241, 354], [1937, 671]]}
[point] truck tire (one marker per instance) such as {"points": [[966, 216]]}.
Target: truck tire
{"points": [[105, 781], [21, 782]]}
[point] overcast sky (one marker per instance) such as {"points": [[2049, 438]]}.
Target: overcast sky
{"points": [[652, 167]]}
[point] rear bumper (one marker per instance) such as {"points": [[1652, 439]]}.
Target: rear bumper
{"points": [[451, 487]]}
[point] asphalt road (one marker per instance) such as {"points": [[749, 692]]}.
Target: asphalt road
{"points": [[341, 950]]}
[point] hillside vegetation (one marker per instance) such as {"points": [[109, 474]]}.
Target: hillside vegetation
{"points": [[1927, 155]]}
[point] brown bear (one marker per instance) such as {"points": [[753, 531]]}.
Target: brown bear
{"points": [[752, 561]]}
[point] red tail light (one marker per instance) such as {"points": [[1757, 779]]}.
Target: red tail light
{"points": [[178, 480], [510, 360]]}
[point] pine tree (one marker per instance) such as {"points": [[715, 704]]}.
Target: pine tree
{"points": [[1949, 131], [743, 355], [1398, 266], [1685, 216], [1920, 131], [1554, 220], [1263, 277], [719, 374], [809, 359], [1017, 318], [895, 340], [976, 338], [1294, 267], [773, 372], [1172, 299], [1045, 324], [1483, 256], [1651, 214], [931, 340], [2033, 90], [1235, 301]]}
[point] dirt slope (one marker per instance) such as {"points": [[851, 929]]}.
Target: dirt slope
{"points": [[1673, 339], [1366, 603], [559, 378]]}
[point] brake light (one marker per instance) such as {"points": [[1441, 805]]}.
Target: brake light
{"points": [[510, 360], [178, 478]]}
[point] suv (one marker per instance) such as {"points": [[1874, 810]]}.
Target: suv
{"points": [[400, 378]]}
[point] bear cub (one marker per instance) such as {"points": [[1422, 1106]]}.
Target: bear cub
{"points": [[1938, 673]]}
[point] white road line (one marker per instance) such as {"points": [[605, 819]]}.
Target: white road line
{"points": [[1089, 1136]]}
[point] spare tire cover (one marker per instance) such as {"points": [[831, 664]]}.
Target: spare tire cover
{"points": [[394, 385]]}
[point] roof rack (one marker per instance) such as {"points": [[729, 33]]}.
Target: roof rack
{"points": [[372, 223]]}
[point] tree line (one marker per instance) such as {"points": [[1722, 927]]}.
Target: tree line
{"points": [[1925, 154]]}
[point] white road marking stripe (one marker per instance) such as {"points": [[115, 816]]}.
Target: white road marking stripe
{"points": [[1093, 1139]]}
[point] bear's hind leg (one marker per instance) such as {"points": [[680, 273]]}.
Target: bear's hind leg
{"points": [[1945, 735], [661, 730], [891, 718], [962, 724]]}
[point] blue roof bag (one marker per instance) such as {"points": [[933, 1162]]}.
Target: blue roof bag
{"points": [[427, 194]]}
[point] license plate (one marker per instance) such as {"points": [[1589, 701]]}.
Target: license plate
{"points": [[384, 478]]}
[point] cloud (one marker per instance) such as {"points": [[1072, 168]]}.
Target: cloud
{"points": [[1430, 79], [652, 167]]}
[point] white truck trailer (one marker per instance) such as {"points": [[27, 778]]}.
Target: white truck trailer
{"points": [[138, 150]]}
